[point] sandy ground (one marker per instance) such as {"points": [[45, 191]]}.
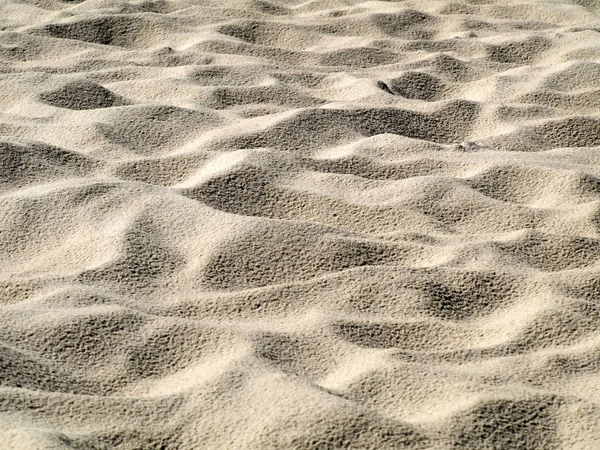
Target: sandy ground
{"points": [[283, 224]]}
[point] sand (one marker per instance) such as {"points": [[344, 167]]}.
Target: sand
{"points": [[288, 224]]}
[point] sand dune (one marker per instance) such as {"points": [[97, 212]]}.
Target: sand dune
{"points": [[289, 224]]}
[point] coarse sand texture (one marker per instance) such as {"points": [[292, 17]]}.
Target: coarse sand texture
{"points": [[300, 224]]}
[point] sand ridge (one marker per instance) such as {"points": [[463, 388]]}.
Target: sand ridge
{"points": [[289, 224]]}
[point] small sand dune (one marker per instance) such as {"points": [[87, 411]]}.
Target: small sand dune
{"points": [[290, 224]]}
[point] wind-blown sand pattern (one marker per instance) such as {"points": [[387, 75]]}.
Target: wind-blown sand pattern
{"points": [[282, 224]]}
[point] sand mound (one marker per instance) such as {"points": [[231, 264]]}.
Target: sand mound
{"points": [[285, 224], [81, 95]]}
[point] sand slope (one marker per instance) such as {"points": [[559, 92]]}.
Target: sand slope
{"points": [[282, 224]]}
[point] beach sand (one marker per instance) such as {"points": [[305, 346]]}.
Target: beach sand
{"points": [[283, 224]]}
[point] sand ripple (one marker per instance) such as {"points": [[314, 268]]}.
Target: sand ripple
{"points": [[252, 224]]}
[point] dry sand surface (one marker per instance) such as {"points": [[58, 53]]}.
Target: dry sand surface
{"points": [[283, 224]]}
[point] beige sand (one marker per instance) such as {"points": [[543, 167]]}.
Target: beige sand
{"points": [[283, 224]]}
